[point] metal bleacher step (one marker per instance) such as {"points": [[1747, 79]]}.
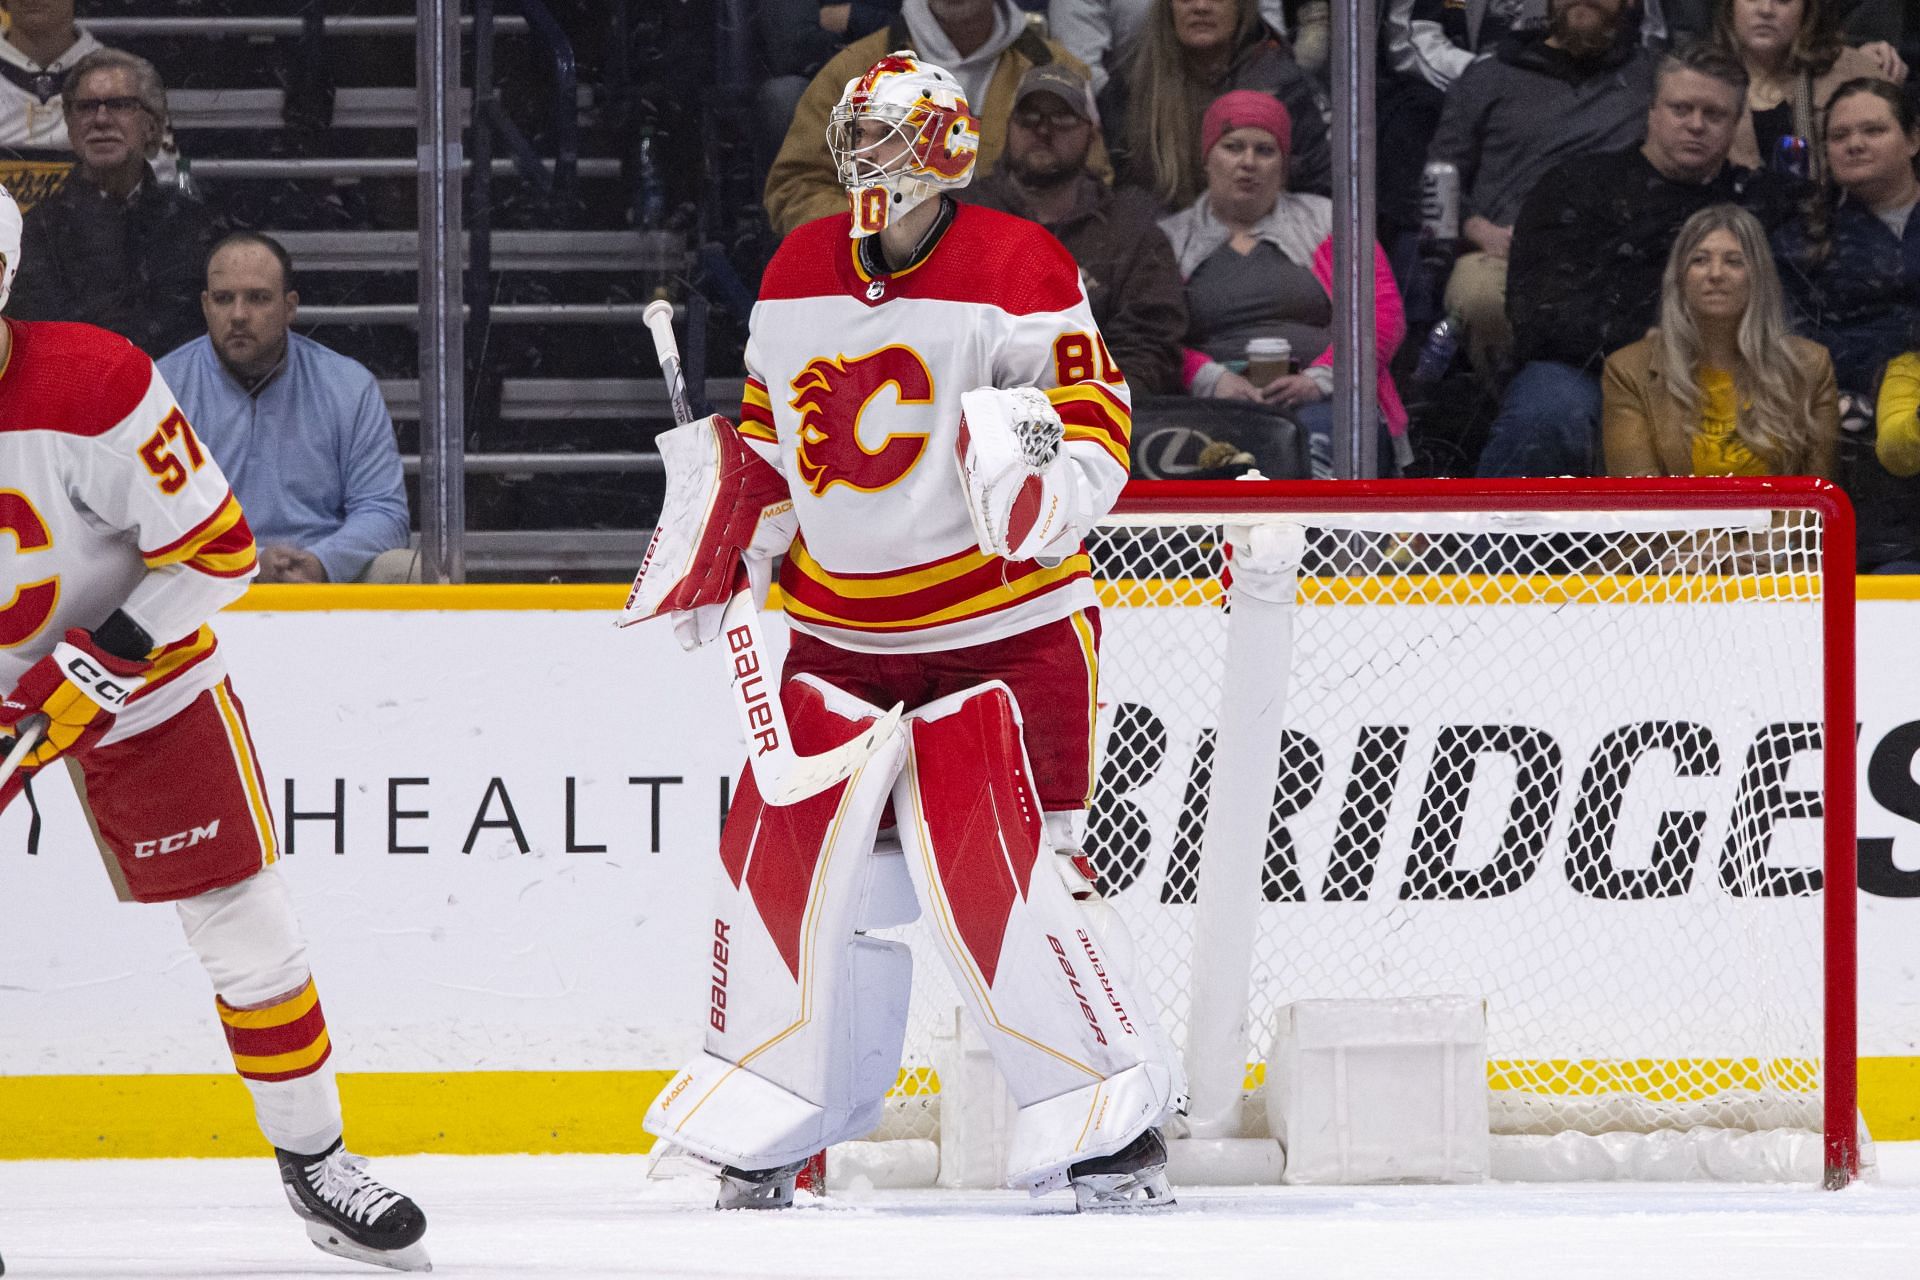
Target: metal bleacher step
{"points": [[362, 107], [389, 251], [573, 399]]}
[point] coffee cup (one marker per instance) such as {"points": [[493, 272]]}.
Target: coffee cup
{"points": [[1267, 359]]}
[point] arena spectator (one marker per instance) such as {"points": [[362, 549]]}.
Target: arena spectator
{"points": [[1897, 420], [797, 37], [114, 246], [1863, 22], [1101, 33], [1577, 87], [1794, 59], [42, 42], [1721, 387], [1851, 267], [1191, 52], [1125, 263], [300, 431], [1258, 262], [986, 44], [1589, 247]]}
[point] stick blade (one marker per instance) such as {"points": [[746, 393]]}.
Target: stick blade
{"points": [[810, 775]]}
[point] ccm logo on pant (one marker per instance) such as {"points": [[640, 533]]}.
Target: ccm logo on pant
{"points": [[177, 841]]}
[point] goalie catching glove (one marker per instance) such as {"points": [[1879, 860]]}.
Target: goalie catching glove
{"points": [[725, 507], [1027, 496], [79, 688]]}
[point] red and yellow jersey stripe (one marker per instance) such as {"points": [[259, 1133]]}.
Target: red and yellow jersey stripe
{"points": [[220, 545], [171, 661], [756, 413], [951, 590], [1091, 411]]}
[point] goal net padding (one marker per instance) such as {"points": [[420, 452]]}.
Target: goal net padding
{"points": [[1561, 746]]}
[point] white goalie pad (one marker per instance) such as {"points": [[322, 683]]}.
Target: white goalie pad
{"points": [[805, 1015], [724, 505], [1026, 496], [1079, 1053]]}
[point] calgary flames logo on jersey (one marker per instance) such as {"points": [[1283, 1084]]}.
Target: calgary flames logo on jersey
{"points": [[832, 393]]}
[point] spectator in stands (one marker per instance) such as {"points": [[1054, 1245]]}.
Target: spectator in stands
{"points": [[1794, 59], [1258, 262], [1721, 387], [1102, 33], [1851, 266], [1589, 246], [1580, 86], [300, 431], [1897, 421], [986, 44], [42, 42], [1191, 52], [797, 38], [1125, 262], [114, 246]]}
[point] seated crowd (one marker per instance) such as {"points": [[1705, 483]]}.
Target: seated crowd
{"points": [[1686, 233], [109, 240]]}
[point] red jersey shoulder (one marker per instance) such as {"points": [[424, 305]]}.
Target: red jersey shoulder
{"points": [[72, 378], [806, 265], [1000, 260]]}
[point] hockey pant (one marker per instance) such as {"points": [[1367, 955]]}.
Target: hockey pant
{"points": [[807, 1013], [250, 944]]}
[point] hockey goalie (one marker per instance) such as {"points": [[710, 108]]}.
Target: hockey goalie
{"points": [[931, 424]]}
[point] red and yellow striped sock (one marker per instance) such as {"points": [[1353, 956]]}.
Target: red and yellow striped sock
{"points": [[284, 1040]]}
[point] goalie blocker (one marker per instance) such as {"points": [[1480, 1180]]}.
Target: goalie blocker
{"points": [[807, 1011]]}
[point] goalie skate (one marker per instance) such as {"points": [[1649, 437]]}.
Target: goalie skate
{"points": [[1134, 1177], [758, 1188], [351, 1214]]}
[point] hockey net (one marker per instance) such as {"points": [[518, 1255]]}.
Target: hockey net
{"points": [[1557, 745]]}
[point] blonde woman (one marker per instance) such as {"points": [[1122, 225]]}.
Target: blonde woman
{"points": [[1190, 52], [1721, 388]]}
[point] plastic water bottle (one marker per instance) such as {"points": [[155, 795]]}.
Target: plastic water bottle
{"points": [[1438, 350]]}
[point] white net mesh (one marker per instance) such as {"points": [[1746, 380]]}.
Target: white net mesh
{"points": [[1569, 764]]}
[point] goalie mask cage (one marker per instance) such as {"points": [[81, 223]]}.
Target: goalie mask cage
{"points": [[1580, 749]]}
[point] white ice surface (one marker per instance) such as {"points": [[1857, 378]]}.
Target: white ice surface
{"points": [[591, 1216]]}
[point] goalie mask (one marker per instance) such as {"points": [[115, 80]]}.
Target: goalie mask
{"points": [[900, 133], [9, 244]]}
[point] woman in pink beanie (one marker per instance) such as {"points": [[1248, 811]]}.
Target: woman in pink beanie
{"points": [[1258, 262]]}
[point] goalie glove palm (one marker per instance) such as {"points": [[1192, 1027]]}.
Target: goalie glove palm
{"points": [[1022, 492], [79, 688]]}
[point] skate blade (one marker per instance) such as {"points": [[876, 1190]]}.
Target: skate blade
{"points": [[1122, 1192], [742, 1195], [327, 1240]]}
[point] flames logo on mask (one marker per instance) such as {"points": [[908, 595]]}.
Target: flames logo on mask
{"points": [[832, 393]]}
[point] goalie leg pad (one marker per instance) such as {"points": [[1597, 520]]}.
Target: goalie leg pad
{"points": [[1066, 1032], [805, 1015]]}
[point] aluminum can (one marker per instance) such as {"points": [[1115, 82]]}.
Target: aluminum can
{"points": [[1440, 202]]}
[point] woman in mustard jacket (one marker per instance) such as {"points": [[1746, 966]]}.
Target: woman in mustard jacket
{"points": [[1721, 387]]}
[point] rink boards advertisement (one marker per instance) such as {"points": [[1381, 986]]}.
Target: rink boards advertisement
{"points": [[498, 821]]}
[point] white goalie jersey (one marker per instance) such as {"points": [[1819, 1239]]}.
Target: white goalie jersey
{"points": [[864, 424]]}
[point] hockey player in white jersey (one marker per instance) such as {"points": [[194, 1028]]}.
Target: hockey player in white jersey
{"points": [[122, 540], [931, 424]]}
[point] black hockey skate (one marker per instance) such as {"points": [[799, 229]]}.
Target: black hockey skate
{"points": [[758, 1188], [351, 1214], [1134, 1177]]}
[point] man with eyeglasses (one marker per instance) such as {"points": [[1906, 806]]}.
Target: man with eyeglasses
{"points": [[1126, 264], [116, 247]]}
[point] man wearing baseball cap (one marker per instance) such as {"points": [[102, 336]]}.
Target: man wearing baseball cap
{"points": [[1131, 278]]}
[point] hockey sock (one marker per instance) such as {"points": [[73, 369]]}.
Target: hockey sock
{"points": [[281, 1050]]}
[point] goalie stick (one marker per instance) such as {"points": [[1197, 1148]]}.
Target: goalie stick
{"points": [[783, 775]]}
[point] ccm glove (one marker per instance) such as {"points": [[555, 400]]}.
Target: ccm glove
{"points": [[79, 688]]}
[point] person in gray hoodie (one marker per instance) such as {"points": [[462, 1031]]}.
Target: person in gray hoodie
{"points": [[1580, 86]]}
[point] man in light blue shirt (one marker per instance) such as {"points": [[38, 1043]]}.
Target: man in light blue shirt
{"points": [[300, 431]]}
